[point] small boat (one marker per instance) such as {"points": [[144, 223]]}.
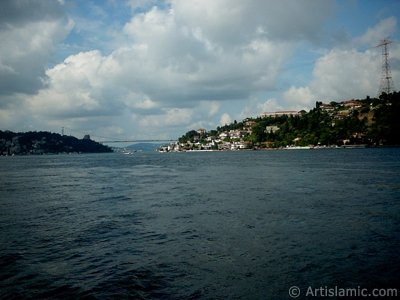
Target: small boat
{"points": [[297, 147], [360, 146]]}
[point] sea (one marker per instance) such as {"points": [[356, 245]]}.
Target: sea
{"points": [[201, 225]]}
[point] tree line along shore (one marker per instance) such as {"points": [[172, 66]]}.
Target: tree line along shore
{"points": [[43, 142], [369, 122], [356, 122]]}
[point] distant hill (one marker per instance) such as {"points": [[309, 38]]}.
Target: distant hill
{"points": [[145, 147], [43, 142], [369, 122]]}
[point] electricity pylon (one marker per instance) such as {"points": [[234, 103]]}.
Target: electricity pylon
{"points": [[386, 85]]}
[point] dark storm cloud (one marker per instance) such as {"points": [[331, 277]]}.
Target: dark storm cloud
{"points": [[22, 12], [29, 31]]}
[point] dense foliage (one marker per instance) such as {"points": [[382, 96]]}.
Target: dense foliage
{"points": [[46, 142], [371, 121]]}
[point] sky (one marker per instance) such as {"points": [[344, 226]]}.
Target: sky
{"points": [[154, 69]]}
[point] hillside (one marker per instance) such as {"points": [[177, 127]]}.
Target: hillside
{"points": [[42, 142], [370, 121]]}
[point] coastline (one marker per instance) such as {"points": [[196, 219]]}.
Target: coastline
{"points": [[346, 147]]}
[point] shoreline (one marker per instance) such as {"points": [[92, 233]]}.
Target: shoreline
{"points": [[291, 148]]}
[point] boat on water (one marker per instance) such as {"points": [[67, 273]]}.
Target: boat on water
{"points": [[297, 147], [360, 146]]}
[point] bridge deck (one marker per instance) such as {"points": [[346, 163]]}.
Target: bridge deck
{"points": [[136, 141]]}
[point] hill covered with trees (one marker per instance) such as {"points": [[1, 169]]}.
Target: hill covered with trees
{"points": [[369, 121], [43, 142]]}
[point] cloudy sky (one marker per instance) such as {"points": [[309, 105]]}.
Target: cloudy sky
{"points": [[153, 69]]}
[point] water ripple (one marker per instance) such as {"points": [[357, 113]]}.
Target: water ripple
{"points": [[239, 225]]}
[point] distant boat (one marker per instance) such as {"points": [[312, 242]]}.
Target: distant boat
{"points": [[355, 146], [128, 152], [297, 147]]}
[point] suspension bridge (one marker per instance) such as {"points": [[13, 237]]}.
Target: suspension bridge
{"points": [[110, 140], [135, 141]]}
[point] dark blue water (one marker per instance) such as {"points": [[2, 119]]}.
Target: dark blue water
{"points": [[231, 225]]}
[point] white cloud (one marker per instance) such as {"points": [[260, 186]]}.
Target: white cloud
{"points": [[189, 65], [169, 117], [180, 63], [299, 98], [177, 63], [338, 75], [374, 34], [229, 22], [342, 74], [29, 33], [135, 101], [142, 4], [212, 108], [255, 107], [225, 119], [75, 88], [169, 75]]}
